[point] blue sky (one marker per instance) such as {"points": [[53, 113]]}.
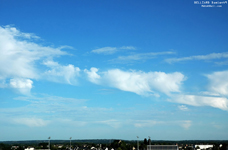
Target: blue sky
{"points": [[97, 69]]}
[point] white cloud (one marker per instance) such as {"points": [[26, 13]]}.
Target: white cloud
{"points": [[194, 100], [20, 56], [186, 124], [92, 75], [105, 50], [70, 122], [31, 122], [112, 50], [142, 56], [60, 73], [22, 85], [140, 82], [199, 57], [216, 96], [146, 123], [112, 123], [218, 83], [183, 107], [128, 47]]}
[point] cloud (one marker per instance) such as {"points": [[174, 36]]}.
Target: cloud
{"points": [[142, 56], [92, 75], [111, 50], [218, 83], [186, 124], [62, 74], [139, 82], [199, 57], [183, 107], [112, 123], [146, 123], [216, 96], [105, 50], [194, 100], [31, 122], [20, 56], [22, 85]]}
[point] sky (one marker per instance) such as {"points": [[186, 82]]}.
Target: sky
{"points": [[113, 69]]}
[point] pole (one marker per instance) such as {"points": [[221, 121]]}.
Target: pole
{"points": [[49, 142], [137, 143], [70, 143]]}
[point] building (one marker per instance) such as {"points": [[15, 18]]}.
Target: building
{"points": [[162, 147], [203, 146]]}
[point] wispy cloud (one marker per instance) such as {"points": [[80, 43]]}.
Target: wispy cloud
{"points": [[146, 123], [139, 57], [216, 96], [195, 100], [113, 123], [139, 82], [183, 107], [60, 73], [111, 50], [218, 82], [20, 56], [186, 124], [31, 122], [92, 75], [22, 85], [199, 57]]}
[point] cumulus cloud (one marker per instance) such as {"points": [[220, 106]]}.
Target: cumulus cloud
{"points": [[194, 100], [22, 85], [92, 75], [139, 82], [216, 96], [31, 122], [218, 83], [20, 56], [61, 73], [199, 57]]}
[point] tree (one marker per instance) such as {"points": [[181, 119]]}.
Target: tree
{"points": [[145, 142], [224, 145]]}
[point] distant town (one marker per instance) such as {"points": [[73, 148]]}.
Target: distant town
{"points": [[146, 144]]}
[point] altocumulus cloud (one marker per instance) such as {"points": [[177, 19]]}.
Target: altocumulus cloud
{"points": [[19, 55]]}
